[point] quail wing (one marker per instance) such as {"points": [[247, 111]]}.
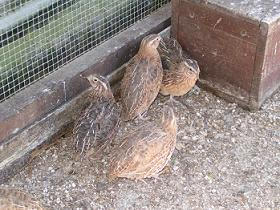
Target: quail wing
{"points": [[97, 124], [140, 86], [170, 52], [142, 153]]}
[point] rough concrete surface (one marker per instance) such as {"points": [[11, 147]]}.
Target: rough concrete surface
{"points": [[225, 158]]}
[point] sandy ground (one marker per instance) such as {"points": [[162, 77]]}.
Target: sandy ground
{"points": [[225, 158]]}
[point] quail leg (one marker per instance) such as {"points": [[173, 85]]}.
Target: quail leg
{"points": [[90, 152], [95, 152], [165, 170], [172, 100], [196, 89], [142, 180]]}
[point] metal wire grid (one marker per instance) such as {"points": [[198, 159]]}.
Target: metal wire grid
{"points": [[39, 36]]}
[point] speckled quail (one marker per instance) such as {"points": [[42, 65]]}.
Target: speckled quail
{"points": [[99, 122], [144, 152], [142, 79], [180, 73]]}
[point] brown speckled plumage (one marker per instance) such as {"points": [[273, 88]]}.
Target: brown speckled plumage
{"points": [[142, 79], [144, 152], [14, 199], [99, 122], [170, 52], [180, 73]]}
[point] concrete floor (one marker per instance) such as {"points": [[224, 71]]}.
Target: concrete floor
{"points": [[225, 158]]}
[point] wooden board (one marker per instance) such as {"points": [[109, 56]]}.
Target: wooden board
{"points": [[237, 54]]}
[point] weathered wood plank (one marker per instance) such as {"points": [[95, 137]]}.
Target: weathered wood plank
{"points": [[219, 20], [215, 49], [174, 17], [270, 77]]}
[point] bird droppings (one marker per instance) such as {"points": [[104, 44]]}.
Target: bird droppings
{"points": [[15, 130], [64, 90], [46, 90], [226, 158]]}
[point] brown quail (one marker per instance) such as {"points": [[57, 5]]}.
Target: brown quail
{"points": [[142, 79], [14, 199], [99, 122], [179, 72], [144, 152]]}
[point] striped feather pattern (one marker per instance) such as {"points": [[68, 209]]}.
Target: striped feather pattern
{"points": [[99, 122], [97, 125], [142, 79], [144, 152], [179, 72], [140, 86]]}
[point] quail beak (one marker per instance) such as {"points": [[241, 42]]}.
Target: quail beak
{"points": [[87, 78], [191, 64]]}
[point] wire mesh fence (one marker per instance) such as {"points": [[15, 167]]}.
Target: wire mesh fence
{"points": [[39, 36]]}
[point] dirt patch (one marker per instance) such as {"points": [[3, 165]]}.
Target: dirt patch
{"points": [[225, 158]]}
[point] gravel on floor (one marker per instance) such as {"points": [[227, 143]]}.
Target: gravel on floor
{"points": [[225, 158]]}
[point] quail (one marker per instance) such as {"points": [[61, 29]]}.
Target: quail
{"points": [[144, 152], [14, 199], [99, 122], [142, 79], [180, 73]]}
